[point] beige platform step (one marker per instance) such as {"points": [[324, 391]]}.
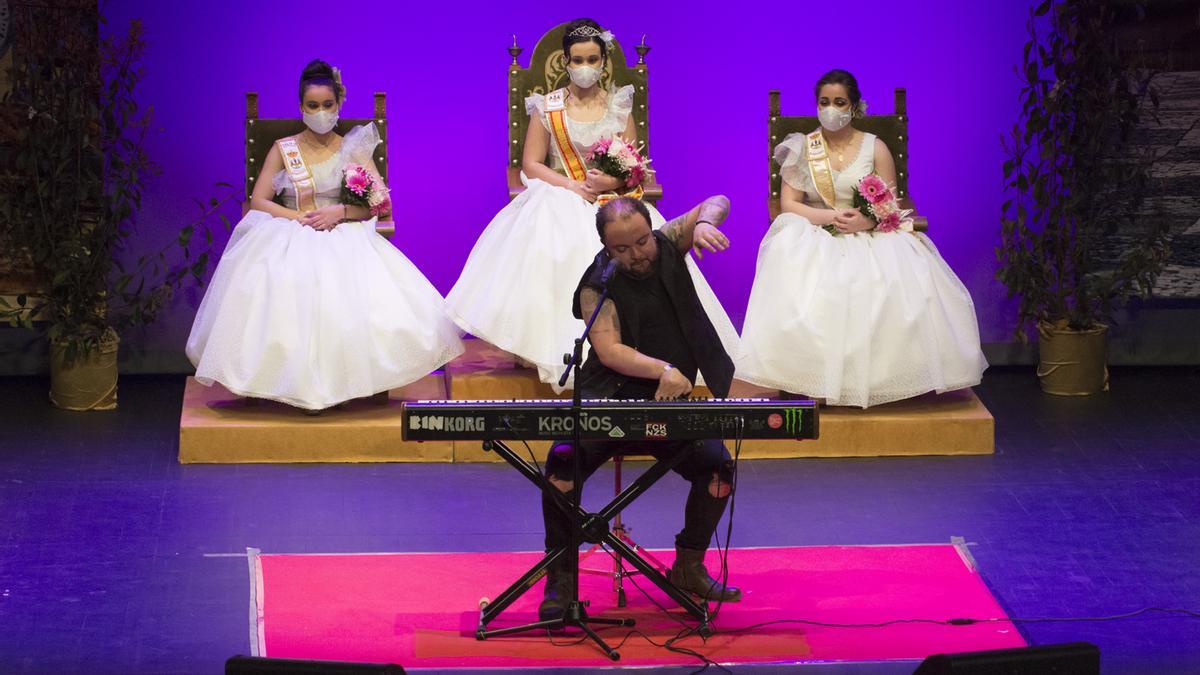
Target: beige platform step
{"points": [[954, 423], [484, 372], [219, 427]]}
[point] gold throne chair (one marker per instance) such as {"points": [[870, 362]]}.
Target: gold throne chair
{"points": [[893, 129], [546, 72], [262, 132]]}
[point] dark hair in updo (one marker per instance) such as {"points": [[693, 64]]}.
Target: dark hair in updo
{"points": [[569, 40], [320, 74], [622, 207], [844, 78]]}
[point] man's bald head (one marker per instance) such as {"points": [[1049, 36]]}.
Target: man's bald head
{"points": [[624, 227], [620, 209]]}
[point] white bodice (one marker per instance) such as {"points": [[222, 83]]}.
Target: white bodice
{"points": [[792, 158], [357, 147], [585, 134]]}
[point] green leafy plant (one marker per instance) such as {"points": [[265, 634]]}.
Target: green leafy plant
{"points": [[74, 187], [1072, 176]]}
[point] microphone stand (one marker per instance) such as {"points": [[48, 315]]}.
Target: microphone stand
{"points": [[575, 614]]}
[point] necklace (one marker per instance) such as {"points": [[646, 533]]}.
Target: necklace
{"points": [[840, 151], [597, 102], [309, 140]]}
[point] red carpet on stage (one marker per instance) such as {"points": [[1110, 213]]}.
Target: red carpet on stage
{"points": [[420, 610]]}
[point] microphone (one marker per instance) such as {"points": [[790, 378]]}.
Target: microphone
{"points": [[608, 270]]}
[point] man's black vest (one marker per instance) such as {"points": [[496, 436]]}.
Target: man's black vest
{"points": [[598, 380]]}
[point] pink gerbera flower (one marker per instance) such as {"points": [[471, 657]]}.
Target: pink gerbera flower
{"points": [[358, 182], [598, 148], [636, 174], [873, 189], [890, 223]]}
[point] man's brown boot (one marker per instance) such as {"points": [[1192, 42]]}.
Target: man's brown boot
{"points": [[689, 573]]}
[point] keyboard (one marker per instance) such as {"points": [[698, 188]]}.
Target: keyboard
{"points": [[552, 419]]}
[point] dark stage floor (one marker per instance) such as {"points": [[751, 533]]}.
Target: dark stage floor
{"points": [[114, 558]]}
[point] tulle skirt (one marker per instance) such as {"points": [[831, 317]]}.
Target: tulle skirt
{"points": [[857, 320], [516, 289], [316, 318]]}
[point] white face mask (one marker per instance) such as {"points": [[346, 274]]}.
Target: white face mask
{"points": [[833, 119], [321, 122], [584, 76]]}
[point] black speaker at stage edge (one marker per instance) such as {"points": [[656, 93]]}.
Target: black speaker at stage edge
{"points": [[258, 665], [1073, 658]]}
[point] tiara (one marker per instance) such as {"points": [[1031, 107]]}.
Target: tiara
{"points": [[590, 32]]}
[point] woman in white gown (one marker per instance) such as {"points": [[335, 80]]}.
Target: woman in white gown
{"points": [[312, 307], [516, 287], [860, 317]]}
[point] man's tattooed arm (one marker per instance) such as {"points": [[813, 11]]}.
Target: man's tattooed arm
{"points": [[681, 230], [606, 341], [608, 324]]}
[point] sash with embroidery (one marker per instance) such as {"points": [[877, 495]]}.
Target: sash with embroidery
{"points": [[557, 114], [819, 169], [301, 177]]}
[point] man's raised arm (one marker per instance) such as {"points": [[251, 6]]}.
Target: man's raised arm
{"points": [[698, 227]]}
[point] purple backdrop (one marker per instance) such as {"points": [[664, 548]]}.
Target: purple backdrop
{"points": [[443, 67]]}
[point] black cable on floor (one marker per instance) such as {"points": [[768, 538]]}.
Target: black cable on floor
{"points": [[1188, 613], [723, 575]]}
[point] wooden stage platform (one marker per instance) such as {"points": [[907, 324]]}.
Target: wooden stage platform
{"points": [[219, 427]]}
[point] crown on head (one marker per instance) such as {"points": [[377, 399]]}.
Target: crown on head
{"points": [[590, 32]]}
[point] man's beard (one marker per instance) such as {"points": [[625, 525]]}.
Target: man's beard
{"points": [[632, 273]]}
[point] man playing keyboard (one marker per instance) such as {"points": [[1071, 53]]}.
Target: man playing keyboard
{"points": [[650, 339]]}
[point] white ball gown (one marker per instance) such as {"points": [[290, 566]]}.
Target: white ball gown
{"points": [[859, 319], [313, 318], [515, 290]]}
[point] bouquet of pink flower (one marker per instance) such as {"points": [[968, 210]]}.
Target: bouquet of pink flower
{"points": [[875, 200], [620, 159], [362, 188]]}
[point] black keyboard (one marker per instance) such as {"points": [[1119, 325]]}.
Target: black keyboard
{"points": [[552, 419]]}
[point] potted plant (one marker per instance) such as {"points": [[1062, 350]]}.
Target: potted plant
{"points": [[70, 196], [1071, 177]]}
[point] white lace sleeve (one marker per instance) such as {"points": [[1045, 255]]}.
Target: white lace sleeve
{"points": [[536, 105], [791, 157], [620, 102], [359, 144]]}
